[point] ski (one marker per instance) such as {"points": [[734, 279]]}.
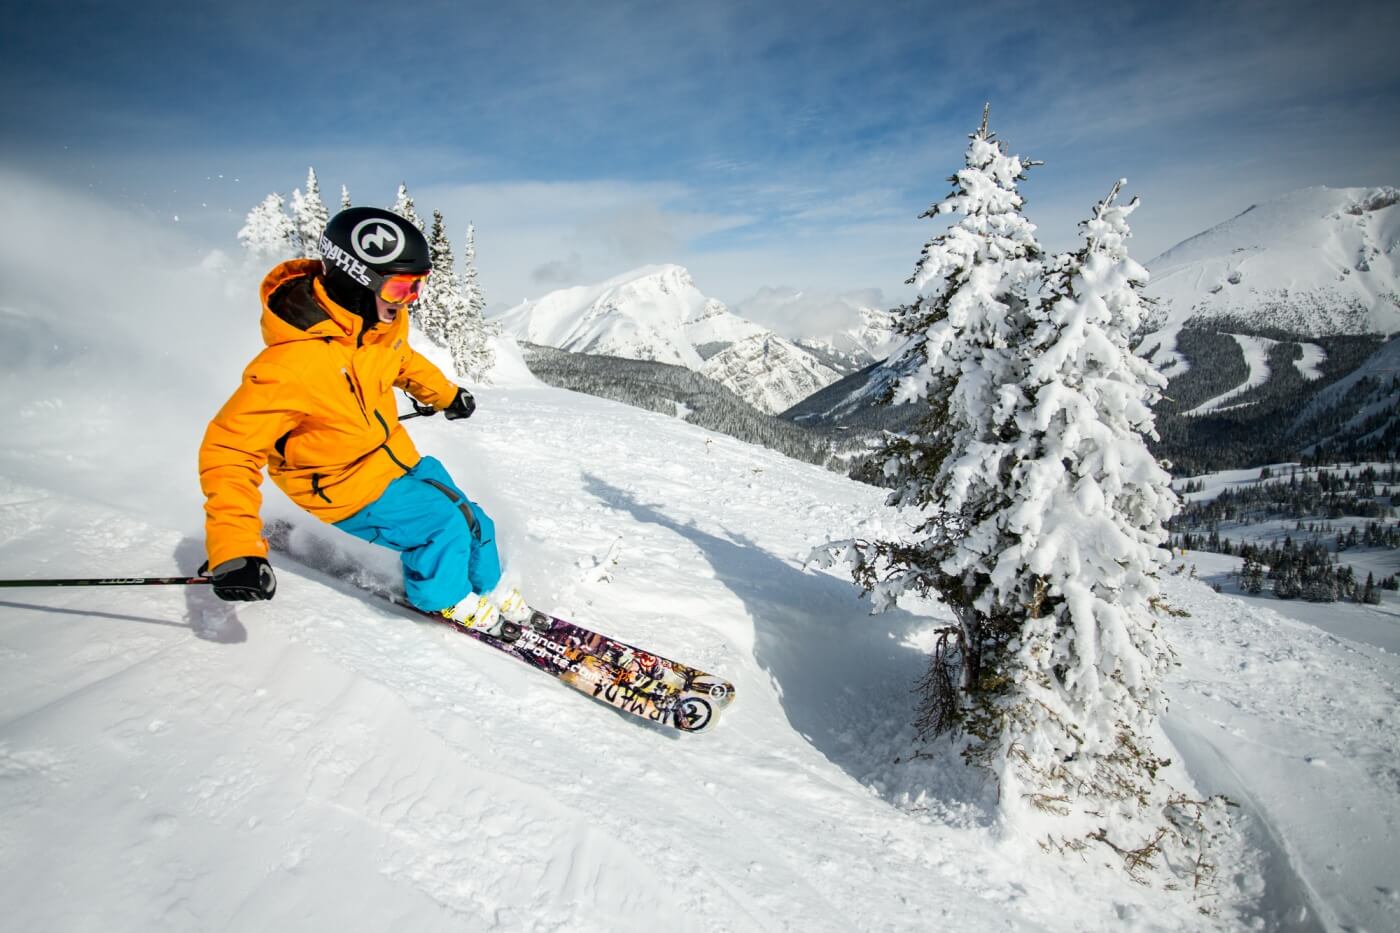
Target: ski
{"points": [[625, 677]]}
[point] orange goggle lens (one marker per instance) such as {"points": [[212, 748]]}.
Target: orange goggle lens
{"points": [[401, 289]]}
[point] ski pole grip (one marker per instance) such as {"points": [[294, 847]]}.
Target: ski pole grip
{"points": [[110, 581]]}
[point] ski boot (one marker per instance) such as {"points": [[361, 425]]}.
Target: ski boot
{"points": [[512, 606], [476, 612]]}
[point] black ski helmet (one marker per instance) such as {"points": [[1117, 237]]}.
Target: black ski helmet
{"points": [[363, 245]]}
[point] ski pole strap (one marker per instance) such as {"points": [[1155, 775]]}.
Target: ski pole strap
{"points": [[110, 581]]}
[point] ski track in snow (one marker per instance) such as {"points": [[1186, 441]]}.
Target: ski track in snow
{"points": [[1310, 363], [1256, 357], [324, 762]]}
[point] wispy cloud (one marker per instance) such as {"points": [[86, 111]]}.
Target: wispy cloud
{"points": [[756, 143]]}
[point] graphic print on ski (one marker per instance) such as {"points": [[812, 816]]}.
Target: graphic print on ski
{"points": [[623, 676]]}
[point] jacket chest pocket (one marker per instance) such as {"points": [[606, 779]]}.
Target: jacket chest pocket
{"points": [[371, 376]]}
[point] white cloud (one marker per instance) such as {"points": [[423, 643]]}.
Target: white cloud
{"points": [[534, 237]]}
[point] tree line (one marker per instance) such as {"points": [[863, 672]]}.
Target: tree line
{"points": [[675, 390], [1305, 568], [1367, 493], [1306, 571]]}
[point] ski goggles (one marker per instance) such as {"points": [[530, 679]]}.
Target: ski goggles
{"points": [[400, 289]]}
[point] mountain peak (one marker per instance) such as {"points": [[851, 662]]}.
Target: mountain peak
{"points": [[656, 313], [665, 275], [1314, 261]]}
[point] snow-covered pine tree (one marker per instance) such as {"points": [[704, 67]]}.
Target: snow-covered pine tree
{"points": [[471, 350], [441, 292], [403, 206], [309, 215], [267, 232], [1039, 519], [471, 286], [962, 362], [1076, 728], [296, 208]]}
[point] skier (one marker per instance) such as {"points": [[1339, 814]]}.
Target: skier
{"points": [[316, 408]]}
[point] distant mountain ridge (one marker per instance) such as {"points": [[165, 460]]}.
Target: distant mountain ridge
{"points": [[657, 314]]}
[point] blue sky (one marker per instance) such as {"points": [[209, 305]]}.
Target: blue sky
{"points": [[756, 143]]}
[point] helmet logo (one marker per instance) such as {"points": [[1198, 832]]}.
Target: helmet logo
{"points": [[381, 240]]}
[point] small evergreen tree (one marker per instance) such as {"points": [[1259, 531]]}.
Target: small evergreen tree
{"points": [[1252, 577], [268, 233], [309, 216], [446, 314], [976, 281], [441, 292], [468, 334], [471, 286], [403, 206], [1369, 594]]}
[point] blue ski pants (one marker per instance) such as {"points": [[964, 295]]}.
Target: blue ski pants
{"points": [[446, 542]]}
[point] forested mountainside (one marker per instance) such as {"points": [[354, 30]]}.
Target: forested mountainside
{"points": [[683, 393], [1249, 399]]}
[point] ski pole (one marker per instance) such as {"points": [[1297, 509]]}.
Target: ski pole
{"points": [[419, 409], [110, 581]]}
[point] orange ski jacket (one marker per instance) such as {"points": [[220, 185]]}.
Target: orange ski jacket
{"points": [[316, 408]]}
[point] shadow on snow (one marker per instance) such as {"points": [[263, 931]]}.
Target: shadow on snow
{"points": [[845, 680]]}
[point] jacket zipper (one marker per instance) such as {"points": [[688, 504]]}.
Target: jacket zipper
{"points": [[350, 383], [358, 401]]}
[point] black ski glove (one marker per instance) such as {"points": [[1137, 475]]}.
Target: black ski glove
{"points": [[462, 406], [242, 579]]}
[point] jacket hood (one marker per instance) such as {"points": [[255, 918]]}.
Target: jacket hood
{"points": [[296, 306]]}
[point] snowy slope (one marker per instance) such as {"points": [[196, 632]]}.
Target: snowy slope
{"points": [[854, 400], [1315, 261], [323, 758], [323, 762], [1382, 368], [657, 314], [1273, 712]]}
